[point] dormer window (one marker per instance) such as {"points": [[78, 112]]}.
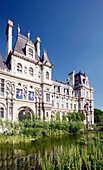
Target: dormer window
{"points": [[31, 72], [30, 52], [19, 68], [84, 81], [47, 75]]}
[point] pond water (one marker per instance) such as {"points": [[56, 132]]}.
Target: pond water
{"points": [[51, 153]]}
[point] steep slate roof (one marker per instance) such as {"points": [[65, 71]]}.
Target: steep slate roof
{"points": [[21, 44], [2, 64], [45, 57]]}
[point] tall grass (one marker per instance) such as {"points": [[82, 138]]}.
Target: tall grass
{"points": [[14, 132]]}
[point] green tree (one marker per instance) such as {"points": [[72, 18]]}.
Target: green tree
{"points": [[69, 116], [98, 116], [63, 117], [73, 116], [78, 117], [57, 117], [82, 116]]}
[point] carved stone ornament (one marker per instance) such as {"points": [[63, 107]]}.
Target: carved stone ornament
{"points": [[25, 91], [10, 87], [86, 107], [38, 93], [13, 88]]}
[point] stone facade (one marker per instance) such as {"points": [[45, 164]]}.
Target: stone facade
{"points": [[26, 84]]}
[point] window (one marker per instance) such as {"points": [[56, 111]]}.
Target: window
{"points": [[30, 52], [84, 92], [31, 87], [58, 89], [74, 106], [25, 70], [31, 71], [19, 68], [2, 87], [19, 94], [84, 81], [47, 114], [62, 105], [1, 112], [87, 95], [19, 84], [47, 97], [67, 91], [71, 106], [66, 105], [47, 75], [79, 106], [31, 96], [57, 104], [52, 103], [39, 74], [79, 93]]}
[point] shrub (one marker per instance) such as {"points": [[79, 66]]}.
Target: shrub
{"points": [[69, 116], [74, 127], [57, 117], [64, 117], [73, 116], [82, 116]]}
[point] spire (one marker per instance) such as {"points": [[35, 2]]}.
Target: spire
{"points": [[45, 57]]}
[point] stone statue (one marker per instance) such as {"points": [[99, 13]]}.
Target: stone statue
{"points": [[18, 29], [28, 35]]}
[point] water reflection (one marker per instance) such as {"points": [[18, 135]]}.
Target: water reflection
{"points": [[31, 156]]}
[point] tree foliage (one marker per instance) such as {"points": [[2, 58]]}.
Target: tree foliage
{"points": [[98, 116]]}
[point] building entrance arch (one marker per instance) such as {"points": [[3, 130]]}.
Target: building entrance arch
{"points": [[25, 113]]}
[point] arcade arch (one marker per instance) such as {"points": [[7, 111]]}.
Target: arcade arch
{"points": [[25, 113]]}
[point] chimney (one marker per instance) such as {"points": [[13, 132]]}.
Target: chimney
{"points": [[37, 45], [71, 79], [8, 32]]}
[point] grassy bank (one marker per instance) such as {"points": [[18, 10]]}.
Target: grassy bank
{"points": [[29, 130]]}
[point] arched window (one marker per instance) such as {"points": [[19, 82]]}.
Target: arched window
{"points": [[1, 110], [39, 74], [19, 68], [47, 75], [31, 72]]}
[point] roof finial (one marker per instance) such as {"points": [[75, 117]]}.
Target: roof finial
{"points": [[28, 35], [18, 29], [44, 50]]}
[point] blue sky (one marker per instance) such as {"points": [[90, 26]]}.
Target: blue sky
{"points": [[70, 30]]}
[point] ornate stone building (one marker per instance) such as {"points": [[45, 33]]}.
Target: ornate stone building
{"points": [[26, 84]]}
